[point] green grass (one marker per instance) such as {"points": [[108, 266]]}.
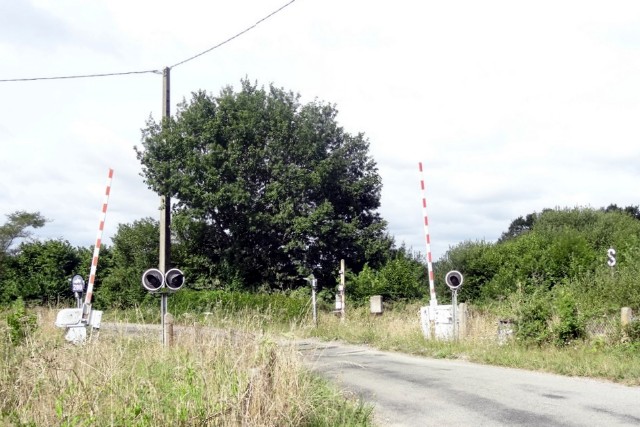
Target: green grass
{"points": [[205, 379], [243, 377], [398, 329]]}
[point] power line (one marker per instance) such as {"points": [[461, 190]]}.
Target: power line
{"points": [[81, 76], [84, 76], [235, 36]]}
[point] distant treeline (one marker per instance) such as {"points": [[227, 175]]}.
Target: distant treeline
{"points": [[553, 252]]}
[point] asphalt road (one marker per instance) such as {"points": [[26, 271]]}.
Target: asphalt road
{"points": [[415, 391]]}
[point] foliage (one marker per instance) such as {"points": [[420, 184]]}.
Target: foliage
{"points": [[546, 317], [21, 323], [206, 378], [475, 261], [570, 325], [519, 226], [362, 285], [568, 254], [632, 210], [269, 190], [40, 272], [279, 306], [532, 324], [555, 247], [402, 277], [135, 249], [17, 227], [632, 331]]}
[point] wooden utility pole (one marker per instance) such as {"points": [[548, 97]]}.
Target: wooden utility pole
{"points": [[165, 200], [165, 216]]}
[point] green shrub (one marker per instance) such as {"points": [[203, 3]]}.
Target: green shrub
{"points": [[632, 331], [279, 306], [477, 261], [361, 286], [532, 325], [548, 317], [567, 255], [21, 323], [570, 325], [402, 277]]}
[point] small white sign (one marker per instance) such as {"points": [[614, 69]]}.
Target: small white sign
{"points": [[611, 254], [77, 284]]}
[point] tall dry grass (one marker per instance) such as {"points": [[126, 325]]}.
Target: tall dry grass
{"points": [[205, 379]]}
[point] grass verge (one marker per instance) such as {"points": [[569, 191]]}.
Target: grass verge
{"points": [[205, 379], [399, 330]]}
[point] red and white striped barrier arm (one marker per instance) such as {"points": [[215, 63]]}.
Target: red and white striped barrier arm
{"points": [[432, 289], [96, 249]]}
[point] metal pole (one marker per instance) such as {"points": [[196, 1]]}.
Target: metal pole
{"points": [[168, 333], [165, 206], [313, 302], [163, 314], [454, 308], [342, 290]]}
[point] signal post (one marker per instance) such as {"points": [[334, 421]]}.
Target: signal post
{"points": [[154, 281]]}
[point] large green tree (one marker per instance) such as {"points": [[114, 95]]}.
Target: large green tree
{"points": [[268, 189], [40, 271], [134, 250], [18, 227]]}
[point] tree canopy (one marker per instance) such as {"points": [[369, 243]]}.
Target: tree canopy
{"points": [[551, 248], [17, 227], [268, 189], [135, 249], [561, 256]]}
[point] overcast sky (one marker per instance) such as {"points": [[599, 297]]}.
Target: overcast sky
{"points": [[512, 106]]}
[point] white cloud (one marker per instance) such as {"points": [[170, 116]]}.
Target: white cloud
{"points": [[512, 107]]}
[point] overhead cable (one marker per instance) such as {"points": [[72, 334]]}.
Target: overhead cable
{"points": [[82, 76], [233, 37]]}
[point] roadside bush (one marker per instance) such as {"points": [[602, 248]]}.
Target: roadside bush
{"points": [[362, 285], [280, 306], [567, 255], [516, 267], [606, 291], [570, 325], [532, 325], [632, 331], [478, 261], [403, 277], [21, 323]]}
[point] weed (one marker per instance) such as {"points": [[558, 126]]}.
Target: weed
{"points": [[207, 378], [21, 323]]}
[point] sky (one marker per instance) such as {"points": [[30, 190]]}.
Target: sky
{"points": [[511, 106]]}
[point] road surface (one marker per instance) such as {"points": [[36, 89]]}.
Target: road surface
{"points": [[416, 391]]}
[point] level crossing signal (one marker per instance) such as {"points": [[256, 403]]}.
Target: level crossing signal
{"points": [[174, 279], [153, 280], [454, 280]]}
